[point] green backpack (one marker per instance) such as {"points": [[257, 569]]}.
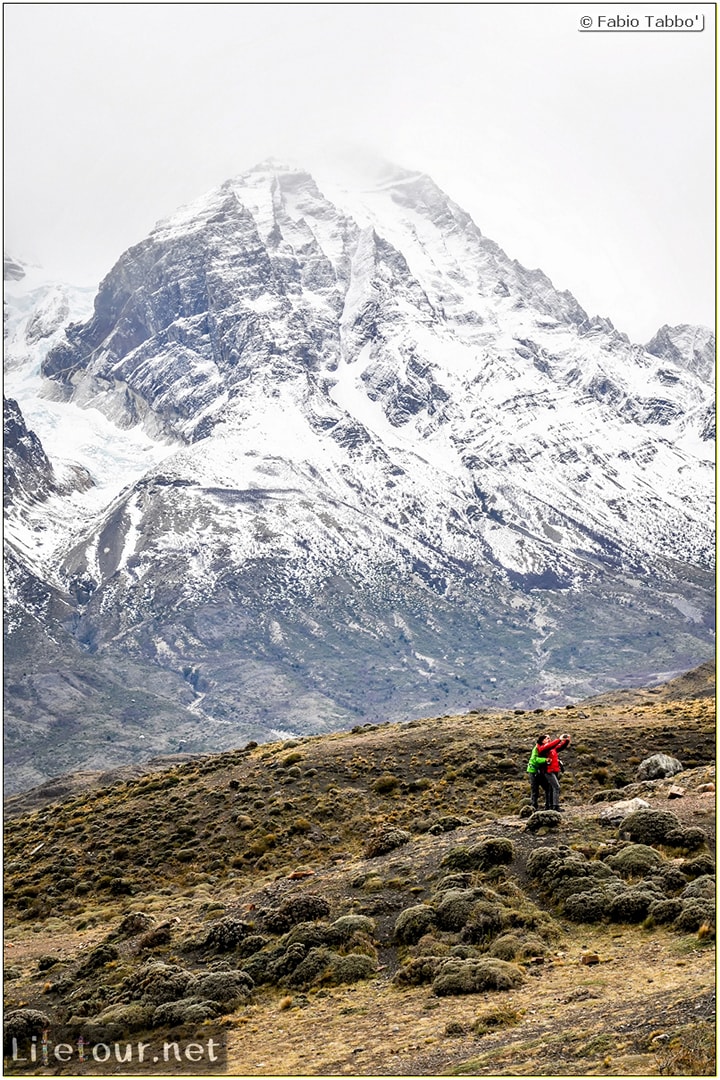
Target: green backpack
{"points": [[536, 763]]}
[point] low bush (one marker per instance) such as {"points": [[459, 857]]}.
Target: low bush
{"points": [[225, 934], [454, 907], [690, 1053], [493, 852], [702, 887], [447, 823], [630, 906], [513, 947], [303, 908], [384, 840], [124, 1018], [588, 907], [418, 970], [670, 879], [485, 922], [322, 966], [700, 865], [543, 819], [649, 826], [695, 913], [475, 976], [185, 1011], [493, 1019], [453, 881], [413, 922], [635, 860], [347, 926], [663, 911]]}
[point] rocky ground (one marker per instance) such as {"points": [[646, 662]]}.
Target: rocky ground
{"points": [[379, 902]]}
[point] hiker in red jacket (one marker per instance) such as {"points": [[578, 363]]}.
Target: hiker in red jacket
{"points": [[549, 750]]}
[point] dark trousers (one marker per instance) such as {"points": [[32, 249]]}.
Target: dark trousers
{"points": [[537, 780], [552, 791]]}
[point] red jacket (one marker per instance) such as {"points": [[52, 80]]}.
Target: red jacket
{"points": [[549, 750]]}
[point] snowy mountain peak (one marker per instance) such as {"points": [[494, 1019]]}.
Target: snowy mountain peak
{"points": [[349, 459]]}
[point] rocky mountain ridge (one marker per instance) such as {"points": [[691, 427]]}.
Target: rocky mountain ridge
{"points": [[384, 469]]}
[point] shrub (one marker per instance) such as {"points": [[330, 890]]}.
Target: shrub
{"points": [[458, 858], [691, 1053], [447, 823], [44, 963], [385, 784], [155, 983], [291, 759], [503, 1016], [512, 947], [124, 1018], [97, 958], [309, 935], [635, 860], [475, 976], [252, 944], [540, 860], [702, 887], [419, 970], [454, 907], [586, 907], [22, 1024], [285, 964], [349, 969], [700, 865], [691, 839], [413, 922], [664, 911], [485, 921], [695, 913], [135, 922], [323, 966], [648, 826], [671, 879], [630, 906], [310, 968], [226, 987], [453, 881], [302, 908], [506, 947], [347, 926], [226, 934], [493, 852], [190, 1011], [384, 840], [543, 819]]}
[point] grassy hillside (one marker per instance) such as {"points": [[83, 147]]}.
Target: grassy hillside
{"points": [[379, 902]]}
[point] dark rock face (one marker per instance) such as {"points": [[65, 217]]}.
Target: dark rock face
{"points": [[26, 469]]}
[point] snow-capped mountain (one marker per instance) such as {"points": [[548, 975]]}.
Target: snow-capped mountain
{"points": [[351, 462]]}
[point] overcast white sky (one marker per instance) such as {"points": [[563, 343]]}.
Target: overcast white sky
{"points": [[590, 155]]}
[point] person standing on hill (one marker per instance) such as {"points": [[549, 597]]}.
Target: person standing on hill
{"points": [[536, 771], [549, 748]]}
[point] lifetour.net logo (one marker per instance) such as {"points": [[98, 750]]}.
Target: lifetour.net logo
{"points": [[59, 1049]]}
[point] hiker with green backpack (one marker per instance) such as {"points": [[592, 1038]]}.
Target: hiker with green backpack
{"points": [[537, 771]]}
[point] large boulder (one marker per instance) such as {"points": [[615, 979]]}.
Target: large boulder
{"points": [[658, 767], [617, 811]]}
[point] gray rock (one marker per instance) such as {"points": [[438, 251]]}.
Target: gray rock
{"points": [[658, 767], [617, 812]]}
